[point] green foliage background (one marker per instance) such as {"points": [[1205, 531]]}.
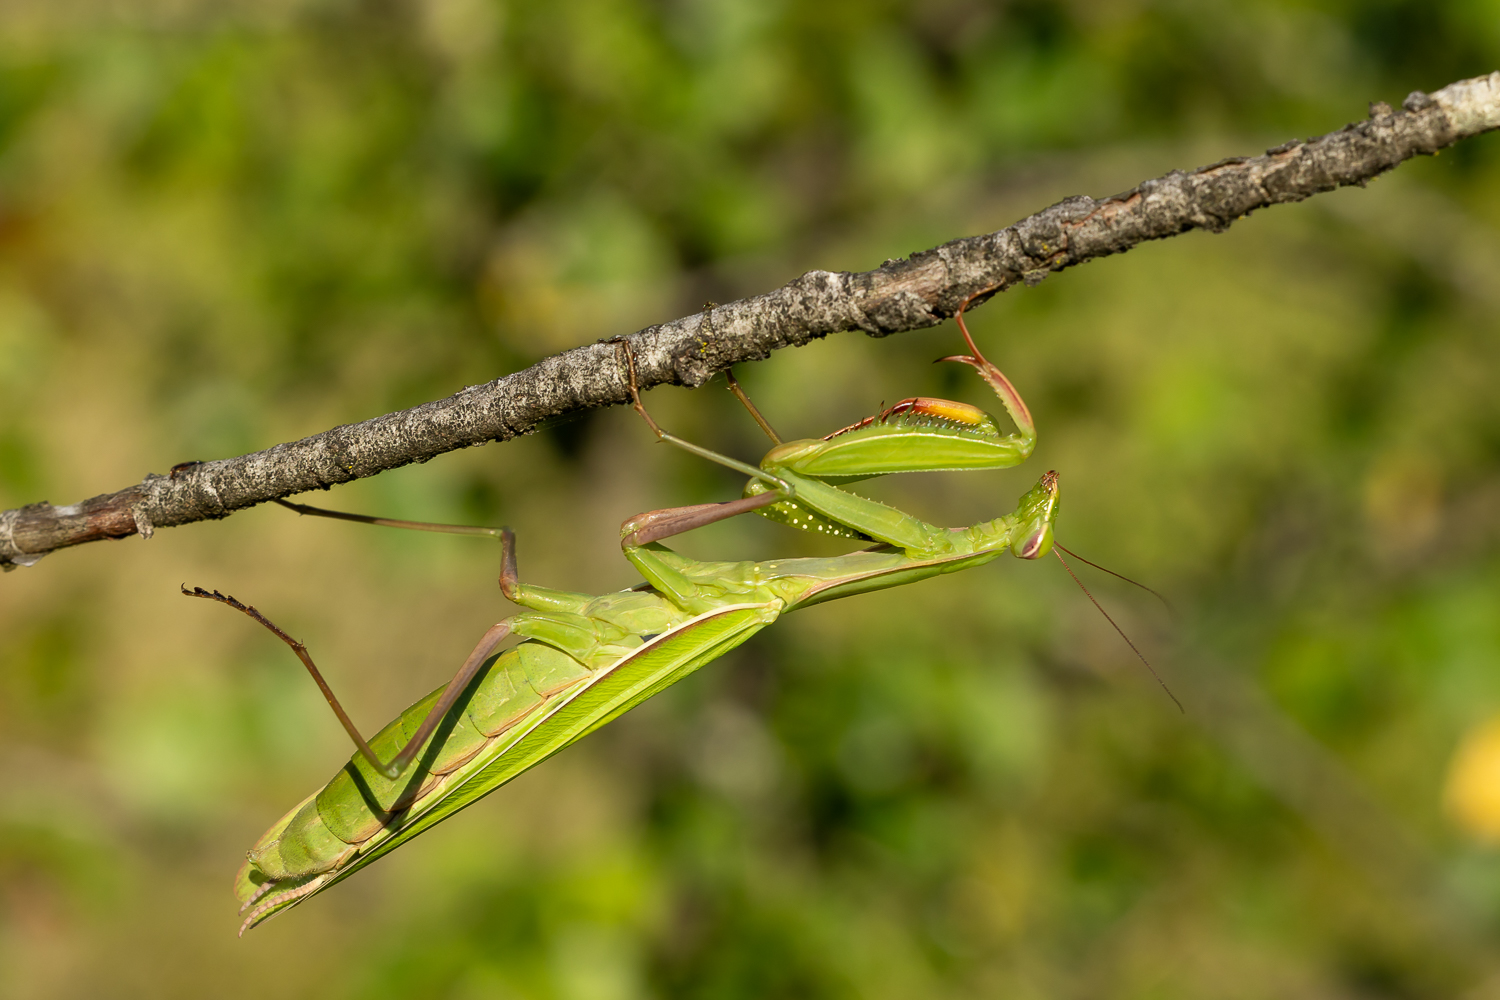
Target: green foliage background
{"points": [[224, 225]]}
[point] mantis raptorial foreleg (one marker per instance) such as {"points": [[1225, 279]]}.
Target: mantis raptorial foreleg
{"points": [[918, 434], [1009, 397]]}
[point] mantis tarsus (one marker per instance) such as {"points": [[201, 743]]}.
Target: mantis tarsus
{"points": [[585, 660]]}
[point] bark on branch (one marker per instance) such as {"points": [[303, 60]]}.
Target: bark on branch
{"points": [[920, 291]]}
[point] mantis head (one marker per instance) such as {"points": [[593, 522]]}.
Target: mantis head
{"points": [[1034, 518]]}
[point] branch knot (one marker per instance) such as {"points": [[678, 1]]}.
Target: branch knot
{"points": [[11, 554]]}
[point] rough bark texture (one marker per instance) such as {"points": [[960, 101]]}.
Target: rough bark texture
{"points": [[901, 295]]}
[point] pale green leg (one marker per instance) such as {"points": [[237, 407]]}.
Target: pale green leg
{"points": [[526, 595], [668, 581]]}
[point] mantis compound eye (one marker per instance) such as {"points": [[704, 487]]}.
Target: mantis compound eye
{"points": [[1035, 543]]}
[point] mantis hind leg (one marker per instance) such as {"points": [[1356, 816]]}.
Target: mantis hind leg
{"points": [[538, 599], [393, 768], [528, 596], [389, 522]]}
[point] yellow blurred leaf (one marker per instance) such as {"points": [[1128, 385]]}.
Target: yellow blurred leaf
{"points": [[1472, 790]]}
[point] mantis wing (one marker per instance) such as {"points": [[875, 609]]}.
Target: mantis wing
{"points": [[611, 692]]}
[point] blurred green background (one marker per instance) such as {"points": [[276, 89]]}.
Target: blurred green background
{"points": [[225, 225]]}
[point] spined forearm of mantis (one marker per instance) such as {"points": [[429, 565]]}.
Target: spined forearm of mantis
{"points": [[583, 660]]}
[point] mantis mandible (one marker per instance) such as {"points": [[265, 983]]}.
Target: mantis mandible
{"points": [[585, 660]]}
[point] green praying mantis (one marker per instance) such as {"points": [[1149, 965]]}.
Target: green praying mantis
{"points": [[583, 660]]}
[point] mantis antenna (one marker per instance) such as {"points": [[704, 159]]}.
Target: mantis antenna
{"points": [[1141, 656], [1172, 610]]}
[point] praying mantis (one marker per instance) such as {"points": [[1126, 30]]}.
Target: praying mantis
{"points": [[585, 660]]}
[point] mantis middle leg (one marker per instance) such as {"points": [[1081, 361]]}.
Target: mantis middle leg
{"points": [[555, 619]]}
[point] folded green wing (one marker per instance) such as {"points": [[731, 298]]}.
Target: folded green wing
{"points": [[614, 690], [656, 666]]}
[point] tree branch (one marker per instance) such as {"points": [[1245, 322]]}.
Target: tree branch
{"points": [[900, 295]]}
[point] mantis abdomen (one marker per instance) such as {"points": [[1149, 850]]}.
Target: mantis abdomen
{"points": [[521, 707], [358, 803]]}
